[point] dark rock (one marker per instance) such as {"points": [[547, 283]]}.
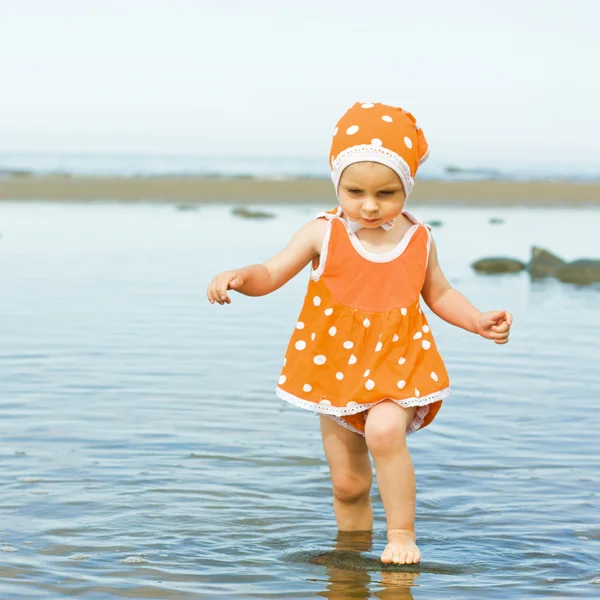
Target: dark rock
{"points": [[496, 221], [245, 213], [187, 207], [543, 263], [435, 223], [581, 272], [498, 265]]}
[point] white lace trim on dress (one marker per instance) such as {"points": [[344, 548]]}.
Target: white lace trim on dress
{"points": [[413, 426], [340, 411]]}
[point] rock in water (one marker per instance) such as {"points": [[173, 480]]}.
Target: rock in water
{"points": [[581, 272], [544, 263], [246, 213], [498, 265]]}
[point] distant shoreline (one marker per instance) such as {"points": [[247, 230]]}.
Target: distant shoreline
{"points": [[250, 191]]}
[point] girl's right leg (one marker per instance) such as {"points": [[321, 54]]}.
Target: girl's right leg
{"points": [[351, 476]]}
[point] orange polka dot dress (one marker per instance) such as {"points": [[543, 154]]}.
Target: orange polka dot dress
{"points": [[361, 336]]}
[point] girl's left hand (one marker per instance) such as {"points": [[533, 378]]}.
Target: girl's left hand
{"points": [[495, 325]]}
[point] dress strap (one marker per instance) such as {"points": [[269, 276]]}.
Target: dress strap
{"points": [[330, 217], [416, 220], [425, 226], [330, 214]]}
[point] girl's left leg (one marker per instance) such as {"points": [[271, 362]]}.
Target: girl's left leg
{"points": [[385, 434]]}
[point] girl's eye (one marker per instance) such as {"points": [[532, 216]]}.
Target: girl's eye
{"points": [[354, 191], [387, 192]]}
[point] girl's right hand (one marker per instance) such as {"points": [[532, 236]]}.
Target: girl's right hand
{"points": [[227, 280]]}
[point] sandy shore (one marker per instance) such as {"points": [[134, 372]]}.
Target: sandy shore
{"points": [[199, 190]]}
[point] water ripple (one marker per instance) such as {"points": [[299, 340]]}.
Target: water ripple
{"points": [[144, 454]]}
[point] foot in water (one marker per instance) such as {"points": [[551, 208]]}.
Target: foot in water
{"points": [[401, 548]]}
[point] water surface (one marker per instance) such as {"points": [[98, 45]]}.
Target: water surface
{"points": [[145, 455]]}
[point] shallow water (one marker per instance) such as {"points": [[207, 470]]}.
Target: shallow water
{"points": [[145, 455]]}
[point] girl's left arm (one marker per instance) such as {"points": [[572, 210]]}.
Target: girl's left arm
{"points": [[449, 304]]}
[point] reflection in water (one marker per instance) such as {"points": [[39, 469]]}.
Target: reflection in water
{"points": [[350, 573]]}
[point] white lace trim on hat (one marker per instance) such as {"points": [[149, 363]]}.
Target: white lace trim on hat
{"points": [[379, 154]]}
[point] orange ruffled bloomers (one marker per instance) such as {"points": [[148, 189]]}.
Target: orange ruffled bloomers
{"points": [[361, 337]]}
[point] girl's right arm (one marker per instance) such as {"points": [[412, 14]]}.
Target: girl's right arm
{"points": [[259, 280]]}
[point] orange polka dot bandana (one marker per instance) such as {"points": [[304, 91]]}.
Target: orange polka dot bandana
{"points": [[378, 133]]}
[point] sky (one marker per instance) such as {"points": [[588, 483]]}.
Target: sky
{"points": [[512, 82]]}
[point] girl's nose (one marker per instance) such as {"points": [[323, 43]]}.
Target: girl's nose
{"points": [[370, 206]]}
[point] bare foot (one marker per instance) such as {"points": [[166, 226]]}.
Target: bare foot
{"points": [[401, 548]]}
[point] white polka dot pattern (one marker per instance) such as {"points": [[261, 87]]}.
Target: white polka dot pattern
{"points": [[352, 129], [364, 348]]}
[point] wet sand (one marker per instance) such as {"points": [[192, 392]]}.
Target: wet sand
{"points": [[198, 190]]}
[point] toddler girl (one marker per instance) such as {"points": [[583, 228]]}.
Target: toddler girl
{"points": [[362, 354]]}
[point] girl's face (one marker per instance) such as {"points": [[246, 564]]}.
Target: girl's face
{"points": [[371, 193]]}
